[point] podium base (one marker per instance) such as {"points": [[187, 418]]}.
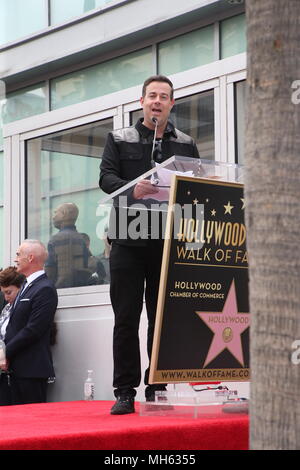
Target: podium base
{"points": [[192, 404]]}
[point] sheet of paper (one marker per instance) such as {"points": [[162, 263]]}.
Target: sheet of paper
{"points": [[164, 177]]}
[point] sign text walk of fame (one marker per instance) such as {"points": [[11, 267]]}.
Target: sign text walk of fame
{"points": [[202, 325]]}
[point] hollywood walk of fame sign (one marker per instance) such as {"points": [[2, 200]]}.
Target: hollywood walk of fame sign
{"points": [[202, 323]]}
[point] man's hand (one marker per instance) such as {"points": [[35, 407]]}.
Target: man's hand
{"points": [[143, 188], [4, 365]]}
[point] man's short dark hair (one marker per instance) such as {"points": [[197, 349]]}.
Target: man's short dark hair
{"points": [[158, 78]]}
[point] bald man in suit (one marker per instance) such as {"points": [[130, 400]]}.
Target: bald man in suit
{"points": [[28, 332]]}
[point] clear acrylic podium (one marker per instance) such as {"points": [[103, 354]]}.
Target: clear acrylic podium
{"points": [[178, 401], [161, 176]]}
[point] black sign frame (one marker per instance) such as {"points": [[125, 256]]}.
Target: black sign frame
{"points": [[203, 296]]}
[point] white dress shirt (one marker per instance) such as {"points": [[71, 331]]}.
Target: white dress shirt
{"points": [[32, 278]]}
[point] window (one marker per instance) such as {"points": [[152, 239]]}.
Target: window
{"points": [[24, 103], [19, 18], [240, 102], [233, 36], [114, 75], [187, 51], [62, 200], [22, 18], [194, 115], [64, 10]]}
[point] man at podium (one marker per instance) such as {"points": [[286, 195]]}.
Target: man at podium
{"points": [[135, 262]]}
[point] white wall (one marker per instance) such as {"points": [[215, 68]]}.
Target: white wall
{"points": [[84, 341]]}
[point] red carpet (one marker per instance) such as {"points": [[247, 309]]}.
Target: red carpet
{"points": [[89, 426]]}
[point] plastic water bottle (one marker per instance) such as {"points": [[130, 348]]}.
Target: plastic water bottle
{"points": [[89, 387]]}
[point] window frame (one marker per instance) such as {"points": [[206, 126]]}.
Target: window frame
{"points": [[219, 76], [63, 24]]}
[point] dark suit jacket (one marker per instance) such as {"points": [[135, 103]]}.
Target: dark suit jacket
{"points": [[28, 331]]}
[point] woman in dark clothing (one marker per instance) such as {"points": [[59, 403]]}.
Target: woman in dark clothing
{"points": [[10, 283]]}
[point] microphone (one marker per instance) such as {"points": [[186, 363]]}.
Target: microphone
{"points": [[155, 121], [154, 177]]}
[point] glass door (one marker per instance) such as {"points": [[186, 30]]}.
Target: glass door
{"points": [[62, 194]]}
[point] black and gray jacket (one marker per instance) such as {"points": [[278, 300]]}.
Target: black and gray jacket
{"points": [[127, 153]]}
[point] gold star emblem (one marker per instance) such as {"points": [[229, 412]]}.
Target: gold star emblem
{"points": [[195, 201], [213, 212], [228, 208]]}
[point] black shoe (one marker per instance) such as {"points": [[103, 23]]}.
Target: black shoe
{"points": [[150, 397], [123, 406], [159, 405], [150, 392]]}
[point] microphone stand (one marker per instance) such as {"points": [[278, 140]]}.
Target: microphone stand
{"points": [[154, 177]]}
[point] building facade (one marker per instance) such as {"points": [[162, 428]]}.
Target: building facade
{"points": [[70, 72]]}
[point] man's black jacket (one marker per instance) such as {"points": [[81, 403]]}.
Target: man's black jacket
{"points": [[127, 155]]}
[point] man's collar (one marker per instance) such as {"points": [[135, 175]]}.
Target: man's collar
{"points": [[145, 131], [32, 277]]}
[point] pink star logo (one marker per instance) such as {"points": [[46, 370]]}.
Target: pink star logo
{"points": [[227, 327]]}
